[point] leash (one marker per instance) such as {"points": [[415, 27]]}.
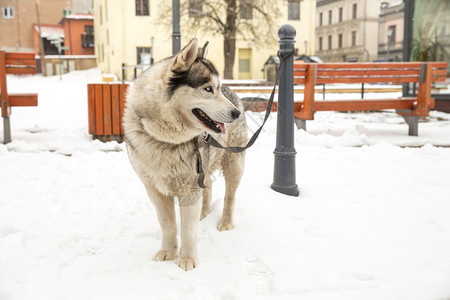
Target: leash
{"points": [[213, 142]]}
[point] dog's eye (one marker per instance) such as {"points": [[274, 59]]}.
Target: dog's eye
{"points": [[209, 89]]}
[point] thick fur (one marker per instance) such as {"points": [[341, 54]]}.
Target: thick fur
{"points": [[162, 134]]}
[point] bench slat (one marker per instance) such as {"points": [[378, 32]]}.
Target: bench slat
{"points": [[23, 99], [356, 105], [19, 55], [21, 70], [395, 80], [369, 72]]}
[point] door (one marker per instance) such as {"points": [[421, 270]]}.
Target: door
{"points": [[245, 58]]}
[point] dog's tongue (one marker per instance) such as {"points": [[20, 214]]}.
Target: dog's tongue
{"points": [[222, 126]]}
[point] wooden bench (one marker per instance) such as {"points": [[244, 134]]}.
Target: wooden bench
{"points": [[312, 74], [14, 63], [106, 102]]}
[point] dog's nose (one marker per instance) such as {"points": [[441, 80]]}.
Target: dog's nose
{"points": [[235, 114]]}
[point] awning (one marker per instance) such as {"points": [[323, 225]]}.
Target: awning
{"points": [[53, 31]]}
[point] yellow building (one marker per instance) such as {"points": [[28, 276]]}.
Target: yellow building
{"points": [[130, 32]]}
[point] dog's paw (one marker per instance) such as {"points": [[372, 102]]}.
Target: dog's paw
{"points": [[187, 263], [163, 255], [225, 225]]}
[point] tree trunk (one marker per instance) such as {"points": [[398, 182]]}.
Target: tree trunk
{"points": [[229, 41]]}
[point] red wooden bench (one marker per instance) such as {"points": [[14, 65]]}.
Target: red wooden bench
{"points": [[106, 102], [312, 74], [14, 63]]}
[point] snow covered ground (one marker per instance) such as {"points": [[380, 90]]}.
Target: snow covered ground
{"points": [[372, 220]]}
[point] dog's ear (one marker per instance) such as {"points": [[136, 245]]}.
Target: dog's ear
{"points": [[186, 57], [204, 51]]}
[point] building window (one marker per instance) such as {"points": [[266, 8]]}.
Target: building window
{"points": [[320, 19], [101, 14], [330, 17], [87, 38], [142, 8], [8, 12], [294, 10], [354, 11], [195, 8], [320, 44], [329, 42], [245, 9], [391, 33], [340, 14], [353, 38], [144, 55], [340, 40]]}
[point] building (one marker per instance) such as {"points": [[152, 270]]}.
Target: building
{"points": [[18, 17], [347, 30], [390, 32], [132, 33], [79, 34], [68, 45]]}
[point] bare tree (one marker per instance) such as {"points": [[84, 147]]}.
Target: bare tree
{"points": [[249, 20]]}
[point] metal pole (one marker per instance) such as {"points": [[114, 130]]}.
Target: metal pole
{"points": [[407, 36], [176, 36], [284, 169]]}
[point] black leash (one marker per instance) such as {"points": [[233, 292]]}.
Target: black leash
{"points": [[213, 142]]}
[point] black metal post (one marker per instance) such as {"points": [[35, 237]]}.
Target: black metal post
{"points": [[284, 169], [123, 73], [407, 36], [176, 35]]}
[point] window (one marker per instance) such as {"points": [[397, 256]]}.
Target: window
{"points": [[101, 15], [320, 19], [8, 12], [330, 17], [294, 10], [329, 42], [355, 9], [320, 44], [142, 8], [143, 55], [245, 9], [195, 8], [87, 37], [353, 38], [340, 40], [340, 14], [391, 35]]}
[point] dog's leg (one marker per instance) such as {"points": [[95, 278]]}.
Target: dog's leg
{"points": [[190, 217], [206, 206], [165, 210], [232, 167]]}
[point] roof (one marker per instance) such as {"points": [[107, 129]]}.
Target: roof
{"points": [[50, 30], [79, 17]]}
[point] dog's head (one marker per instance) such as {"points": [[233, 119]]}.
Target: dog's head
{"points": [[195, 86]]}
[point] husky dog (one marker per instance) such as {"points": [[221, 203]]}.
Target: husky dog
{"points": [[168, 110]]}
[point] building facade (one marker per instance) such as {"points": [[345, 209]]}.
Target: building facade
{"points": [[132, 33], [391, 30], [18, 17], [347, 30]]}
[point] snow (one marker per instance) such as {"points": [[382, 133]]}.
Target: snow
{"points": [[372, 220]]}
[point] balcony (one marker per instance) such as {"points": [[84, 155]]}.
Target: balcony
{"points": [[87, 40]]}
